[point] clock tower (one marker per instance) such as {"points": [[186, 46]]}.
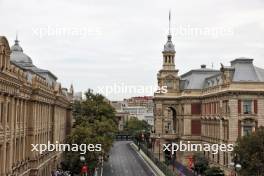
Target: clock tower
{"points": [[168, 75]]}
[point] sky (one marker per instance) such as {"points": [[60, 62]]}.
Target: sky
{"points": [[107, 45]]}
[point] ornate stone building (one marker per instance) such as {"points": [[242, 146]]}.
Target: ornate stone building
{"points": [[207, 106], [34, 109]]}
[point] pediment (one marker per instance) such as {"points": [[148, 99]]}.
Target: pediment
{"points": [[170, 76]]}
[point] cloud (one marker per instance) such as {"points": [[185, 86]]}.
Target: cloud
{"points": [[100, 42]]}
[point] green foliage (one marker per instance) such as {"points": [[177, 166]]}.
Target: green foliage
{"points": [[200, 163], [94, 124], [214, 171], [201, 166], [135, 126], [250, 153], [94, 107]]}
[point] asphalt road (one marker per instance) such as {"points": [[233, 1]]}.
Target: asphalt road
{"points": [[124, 161]]}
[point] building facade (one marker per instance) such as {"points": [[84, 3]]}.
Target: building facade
{"points": [[34, 109], [207, 106], [139, 107]]}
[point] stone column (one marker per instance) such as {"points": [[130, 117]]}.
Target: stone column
{"points": [[260, 111], [2, 159], [233, 120]]}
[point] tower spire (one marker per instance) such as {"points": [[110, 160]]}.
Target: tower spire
{"points": [[170, 22], [16, 41]]}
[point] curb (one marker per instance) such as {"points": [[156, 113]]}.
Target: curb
{"points": [[152, 165]]}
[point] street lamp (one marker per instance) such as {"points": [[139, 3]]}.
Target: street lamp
{"points": [[84, 170], [159, 146], [101, 162], [82, 158], [237, 167]]}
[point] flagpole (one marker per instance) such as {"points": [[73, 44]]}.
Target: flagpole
{"points": [[169, 22]]}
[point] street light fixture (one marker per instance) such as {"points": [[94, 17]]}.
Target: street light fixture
{"points": [[159, 146], [84, 170], [237, 167], [82, 158]]}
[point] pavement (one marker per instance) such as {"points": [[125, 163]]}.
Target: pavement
{"points": [[124, 161]]}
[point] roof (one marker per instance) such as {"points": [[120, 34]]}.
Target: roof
{"points": [[169, 47], [18, 55], [19, 58], [260, 73], [246, 71], [195, 79], [242, 70]]}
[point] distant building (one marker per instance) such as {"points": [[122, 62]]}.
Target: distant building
{"points": [[118, 105], [149, 119], [145, 101], [136, 111], [123, 118], [78, 96], [139, 107]]}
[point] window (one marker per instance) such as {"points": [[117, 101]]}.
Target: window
{"points": [[196, 127], [167, 127], [1, 112], [196, 108], [247, 130], [255, 106], [225, 107], [247, 106], [8, 112]]}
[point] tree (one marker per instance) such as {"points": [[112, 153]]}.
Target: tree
{"points": [[95, 123], [200, 163], [135, 127], [214, 171], [250, 153], [95, 107]]}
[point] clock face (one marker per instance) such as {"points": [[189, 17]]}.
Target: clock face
{"points": [[169, 83]]}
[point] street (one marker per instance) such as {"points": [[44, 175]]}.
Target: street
{"points": [[124, 161]]}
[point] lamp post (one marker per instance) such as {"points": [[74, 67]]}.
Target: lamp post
{"points": [[101, 161], [235, 164], [84, 170], [82, 158], [159, 145]]}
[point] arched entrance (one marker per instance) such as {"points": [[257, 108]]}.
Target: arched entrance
{"points": [[173, 115]]}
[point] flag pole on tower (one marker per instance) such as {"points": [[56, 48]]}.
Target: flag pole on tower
{"points": [[169, 22]]}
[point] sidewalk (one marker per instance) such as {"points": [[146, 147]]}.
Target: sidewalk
{"points": [[180, 169], [149, 162]]}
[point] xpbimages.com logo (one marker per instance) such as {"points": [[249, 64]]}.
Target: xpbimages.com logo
{"points": [[82, 148], [183, 147], [124, 89]]}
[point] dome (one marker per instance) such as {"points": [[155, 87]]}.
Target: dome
{"points": [[169, 47], [17, 54]]}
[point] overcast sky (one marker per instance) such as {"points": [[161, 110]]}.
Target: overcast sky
{"points": [[95, 43]]}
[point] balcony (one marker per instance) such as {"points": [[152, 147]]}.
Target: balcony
{"points": [[168, 136]]}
